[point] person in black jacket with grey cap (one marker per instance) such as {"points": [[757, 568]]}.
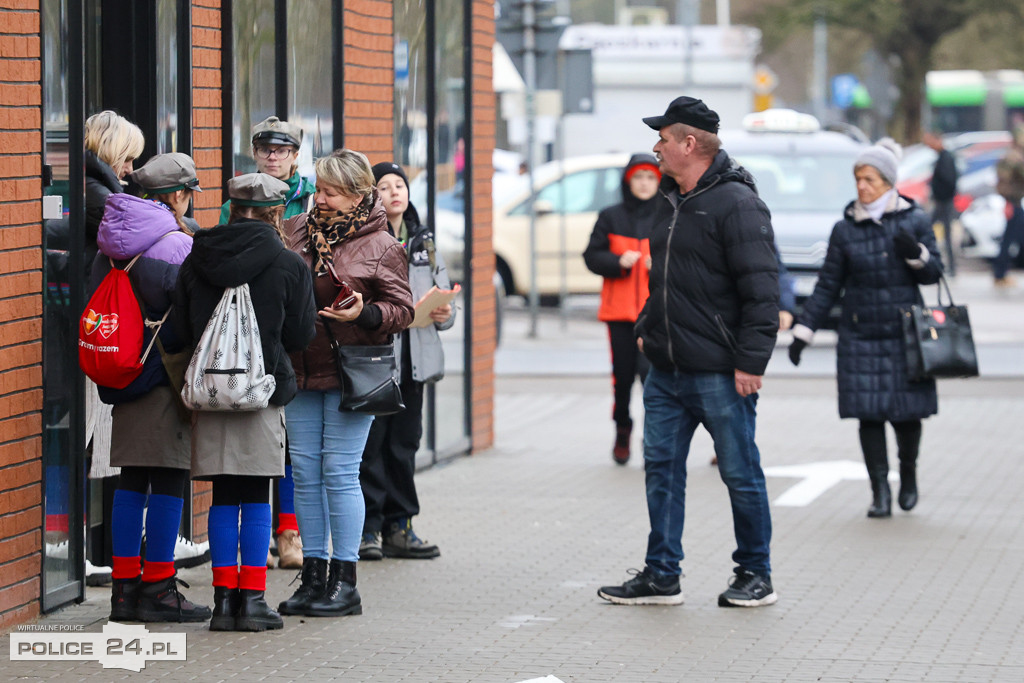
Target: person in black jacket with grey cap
{"points": [[240, 451], [708, 328]]}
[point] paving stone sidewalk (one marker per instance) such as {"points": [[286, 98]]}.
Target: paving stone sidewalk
{"points": [[530, 529]]}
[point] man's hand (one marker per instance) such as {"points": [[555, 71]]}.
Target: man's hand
{"points": [[640, 344], [747, 384], [441, 313], [785, 320]]}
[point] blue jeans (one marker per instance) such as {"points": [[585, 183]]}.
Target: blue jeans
{"points": [[675, 404], [326, 448]]}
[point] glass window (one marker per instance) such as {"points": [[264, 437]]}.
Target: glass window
{"points": [[59, 360], [254, 75], [411, 83], [450, 152], [310, 78], [802, 183], [582, 192], [166, 76]]}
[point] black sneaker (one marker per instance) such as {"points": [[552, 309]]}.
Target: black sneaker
{"points": [[747, 589], [646, 588]]}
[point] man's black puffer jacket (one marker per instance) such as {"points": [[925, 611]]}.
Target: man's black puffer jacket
{"points": [[714, 301]]}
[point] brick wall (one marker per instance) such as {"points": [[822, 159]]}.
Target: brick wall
{"points": [[483, 306], [207, 141], [21, 395], [369, 78]]}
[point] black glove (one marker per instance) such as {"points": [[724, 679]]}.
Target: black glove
{"points": [[905, 245], [795, 349]]}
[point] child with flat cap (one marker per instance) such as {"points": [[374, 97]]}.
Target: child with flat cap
{"points": [[240, 452]]}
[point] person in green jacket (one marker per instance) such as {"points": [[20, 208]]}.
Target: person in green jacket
{"points": [[275, 147]]}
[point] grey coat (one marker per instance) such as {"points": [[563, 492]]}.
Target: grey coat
{"points": [[426, 269]]}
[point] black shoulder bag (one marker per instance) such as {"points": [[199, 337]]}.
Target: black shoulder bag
{"points": [[368, 376], [938, 339]]}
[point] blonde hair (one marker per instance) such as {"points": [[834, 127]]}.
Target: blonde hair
{"points": [[113, 138], [347, 170]]}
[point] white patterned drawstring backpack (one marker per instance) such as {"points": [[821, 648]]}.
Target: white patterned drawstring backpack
{"points": [[227, 371]]}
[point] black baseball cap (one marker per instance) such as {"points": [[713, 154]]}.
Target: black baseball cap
{"points": [[688, 110]]}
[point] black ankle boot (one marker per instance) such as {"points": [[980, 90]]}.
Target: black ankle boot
{"points": [[161, 601], [881, 497], [908, 486], [225, 607], [340, 597], [254, 614], [124, 598], [314, 581]]}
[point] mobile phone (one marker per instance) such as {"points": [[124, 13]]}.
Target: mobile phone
{"points": [[346, 297]]}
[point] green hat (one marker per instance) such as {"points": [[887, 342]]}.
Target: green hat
{"points": [[274, 131], [167, 173], [257, 189]]}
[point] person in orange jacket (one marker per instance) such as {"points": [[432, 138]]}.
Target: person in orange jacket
{"points": [[619, 251]]}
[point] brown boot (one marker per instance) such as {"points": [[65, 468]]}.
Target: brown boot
{"points": [[289, 550]]}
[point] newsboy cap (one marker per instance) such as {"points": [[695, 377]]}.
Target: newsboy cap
{"points": [[257, 189], [167, 173], [274, 131], [688, 110]]}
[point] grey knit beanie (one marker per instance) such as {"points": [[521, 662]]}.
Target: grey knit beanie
{"points": [[884, 156]]}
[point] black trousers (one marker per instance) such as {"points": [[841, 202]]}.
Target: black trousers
{"points": [[627, 364], [389, 462]]}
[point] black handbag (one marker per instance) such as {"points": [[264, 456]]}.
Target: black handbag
{"points": [[368, 376], [938, 340]]}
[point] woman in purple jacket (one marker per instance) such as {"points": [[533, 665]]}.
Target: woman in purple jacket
{"points": [[150, 437]]}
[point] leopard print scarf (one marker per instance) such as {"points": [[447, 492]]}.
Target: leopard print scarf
{"points": [[324, 229]]}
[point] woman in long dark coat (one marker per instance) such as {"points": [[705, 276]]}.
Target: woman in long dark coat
{"points": [[878, 254]]}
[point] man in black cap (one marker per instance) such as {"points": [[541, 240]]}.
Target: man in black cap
{"points": [[708, 329]]}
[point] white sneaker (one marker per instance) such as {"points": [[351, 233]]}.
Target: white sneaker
{"points": [[189, 554], [57, 551], [97, 576]]}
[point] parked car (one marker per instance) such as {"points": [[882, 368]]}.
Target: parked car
{"points": [[984, 223]]}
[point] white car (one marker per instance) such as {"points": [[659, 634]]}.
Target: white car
{"points": [[984, 223]]}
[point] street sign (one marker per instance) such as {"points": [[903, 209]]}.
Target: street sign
{"points": [[843, 88], [402, 61]]}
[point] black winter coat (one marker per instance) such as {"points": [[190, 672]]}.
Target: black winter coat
{"points": [[863, 274], [714, 287], [279, 281], [100, 182]]}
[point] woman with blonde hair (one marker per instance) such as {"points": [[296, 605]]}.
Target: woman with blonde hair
{"points": [[112, 144], [344, 240]]}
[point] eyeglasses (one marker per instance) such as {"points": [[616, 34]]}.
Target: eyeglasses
{"points": [[275, 152]]}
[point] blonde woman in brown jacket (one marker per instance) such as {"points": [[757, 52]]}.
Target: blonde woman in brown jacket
{"points": [[345, 238]]}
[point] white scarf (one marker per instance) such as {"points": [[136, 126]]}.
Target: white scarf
{"points": [[877, 208]]}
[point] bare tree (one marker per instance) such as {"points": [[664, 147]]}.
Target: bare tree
{"points": [[905, 31]]}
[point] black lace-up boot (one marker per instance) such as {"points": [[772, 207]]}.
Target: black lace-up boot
{"points": [[340, 597], [314, 581]]}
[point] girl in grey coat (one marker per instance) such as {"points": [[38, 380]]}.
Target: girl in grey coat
{"points": [[389, 458]]}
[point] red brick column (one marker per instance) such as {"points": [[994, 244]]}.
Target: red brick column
{"points": [[482, 258], [207, 140], [369, 79], [21, 310]]}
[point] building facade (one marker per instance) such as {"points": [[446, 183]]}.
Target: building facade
{"points": [[408, 80]]}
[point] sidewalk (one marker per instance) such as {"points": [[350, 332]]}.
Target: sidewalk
{"points": [[531, 528]]}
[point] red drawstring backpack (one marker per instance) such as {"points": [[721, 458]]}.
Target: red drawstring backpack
{"points": [[110, 332]]}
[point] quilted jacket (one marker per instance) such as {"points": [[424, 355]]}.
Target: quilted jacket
{"points": [[871, 283]]}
